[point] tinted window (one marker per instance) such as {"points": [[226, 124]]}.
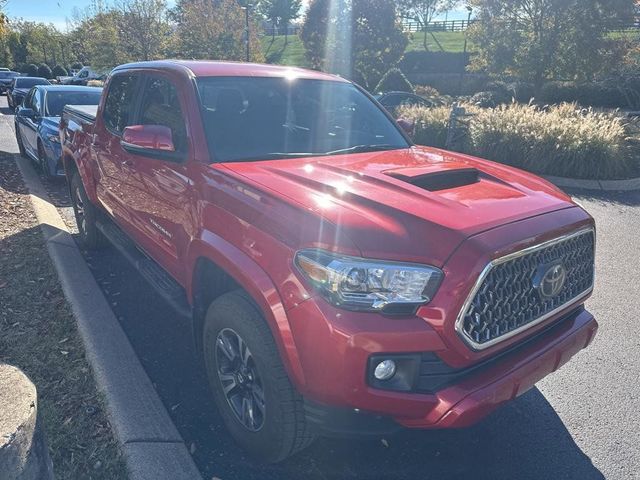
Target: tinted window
{"points": [[30, 82], [57, 99], [249, 118], [28, 101], [8, 74], [160, 106], [119, 105]]}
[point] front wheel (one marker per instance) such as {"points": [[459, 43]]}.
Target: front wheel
{"points": [[42, 160], [19, 140], [252, 391], [86, 215]]}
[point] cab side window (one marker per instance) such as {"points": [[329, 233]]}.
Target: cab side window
{"points": [[161, 106], [28, 100], [119, 105]]}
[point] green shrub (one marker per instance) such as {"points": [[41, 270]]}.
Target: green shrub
{"points": [[562, 140], [59, 71], [452, 83], [522, 92], [394, 81], [417, 61], [31, 70], [44, 71], [76, 66], [601, 95], [490, 99], [430, 124]]}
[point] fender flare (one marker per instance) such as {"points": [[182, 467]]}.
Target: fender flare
{"points": [[252, 278], [69, 158]]}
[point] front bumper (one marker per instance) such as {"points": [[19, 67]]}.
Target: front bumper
{"points": [[361, 409]]}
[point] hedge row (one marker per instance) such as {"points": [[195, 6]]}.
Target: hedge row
{"points": [[422, 62]]}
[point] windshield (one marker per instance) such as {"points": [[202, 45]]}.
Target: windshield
{"points": [[264, 118], [30, 82], [56, 100], [8, 74]]}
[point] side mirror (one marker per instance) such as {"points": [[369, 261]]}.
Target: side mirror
{"points": [[406, 125], [138, 138], [25, 112]]}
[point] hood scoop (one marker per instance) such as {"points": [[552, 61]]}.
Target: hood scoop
{"points": [[442, 180]]}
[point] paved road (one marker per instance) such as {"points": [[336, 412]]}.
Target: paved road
{"points": [[580, 423]]}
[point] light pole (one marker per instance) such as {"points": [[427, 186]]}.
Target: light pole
{"points": [[464, 49], [246, 9], [470, 10]]}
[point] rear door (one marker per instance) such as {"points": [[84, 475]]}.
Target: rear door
{"points": [[112, 160], [159, 194], [29, 126]]}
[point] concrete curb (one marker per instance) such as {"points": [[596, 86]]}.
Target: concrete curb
{"points": [[151, 444], [629, 185]]}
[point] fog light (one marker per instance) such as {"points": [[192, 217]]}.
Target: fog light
{"points": [[385, 370]]}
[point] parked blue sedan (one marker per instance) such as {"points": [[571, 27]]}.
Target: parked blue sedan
{"points": [[37, 121]]}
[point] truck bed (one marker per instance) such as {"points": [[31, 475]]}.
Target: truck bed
{"points": [[80, 114]]}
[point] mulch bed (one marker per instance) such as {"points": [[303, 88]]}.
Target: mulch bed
{"points": [[38, 334]]}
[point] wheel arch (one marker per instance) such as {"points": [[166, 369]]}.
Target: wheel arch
{"points": [[219, 267]]}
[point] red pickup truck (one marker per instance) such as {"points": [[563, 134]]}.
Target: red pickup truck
{"points": [[338, 278]]}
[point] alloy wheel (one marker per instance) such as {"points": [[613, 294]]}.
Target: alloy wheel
{"points": [[78, 205], [241, 384]]}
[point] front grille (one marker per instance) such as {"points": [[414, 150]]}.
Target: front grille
{"points": [[508, 297]]}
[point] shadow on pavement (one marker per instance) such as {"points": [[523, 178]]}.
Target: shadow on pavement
{"points": [[629, 199], [525, 439]]}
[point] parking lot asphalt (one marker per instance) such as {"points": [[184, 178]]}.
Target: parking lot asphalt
{"points": [[580, 423]]}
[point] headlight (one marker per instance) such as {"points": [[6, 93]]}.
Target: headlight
{"points": [[54, 138], [360, 284]]}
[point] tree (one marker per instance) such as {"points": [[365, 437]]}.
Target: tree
{"points": [[536, 40], [423, 11], [144, 28], [359, 40], [280, 13], [31, 70], [207, 29]]}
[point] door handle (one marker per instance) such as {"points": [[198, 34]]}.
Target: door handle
{"points": [[127, 163]]}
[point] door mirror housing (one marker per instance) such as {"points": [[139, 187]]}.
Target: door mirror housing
{"points": [[154, 138], [26, 112]]}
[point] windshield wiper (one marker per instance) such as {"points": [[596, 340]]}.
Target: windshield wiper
{"points": [[365, 148], [354, 149]]}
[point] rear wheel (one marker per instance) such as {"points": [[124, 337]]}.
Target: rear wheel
{"points": [[86, 215], [256, 400]]}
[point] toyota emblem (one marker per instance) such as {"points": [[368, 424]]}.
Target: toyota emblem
{"points": [[550, 280]]}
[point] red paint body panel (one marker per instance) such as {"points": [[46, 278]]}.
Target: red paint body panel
{"points": [[250, 218]]}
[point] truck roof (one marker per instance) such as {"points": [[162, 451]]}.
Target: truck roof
{"points": [[208, 68]]}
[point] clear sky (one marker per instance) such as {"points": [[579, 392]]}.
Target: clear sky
{"points": [[57, 11]]}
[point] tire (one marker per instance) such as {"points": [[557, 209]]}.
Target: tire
{"points": [[42, 161], [279, 429], [86, 215], [20, 144]]}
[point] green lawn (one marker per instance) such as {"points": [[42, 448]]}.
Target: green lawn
{"points": [[292, 53]]}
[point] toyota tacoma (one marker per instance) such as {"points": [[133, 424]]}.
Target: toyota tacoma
{"points": [[338, 278]]}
